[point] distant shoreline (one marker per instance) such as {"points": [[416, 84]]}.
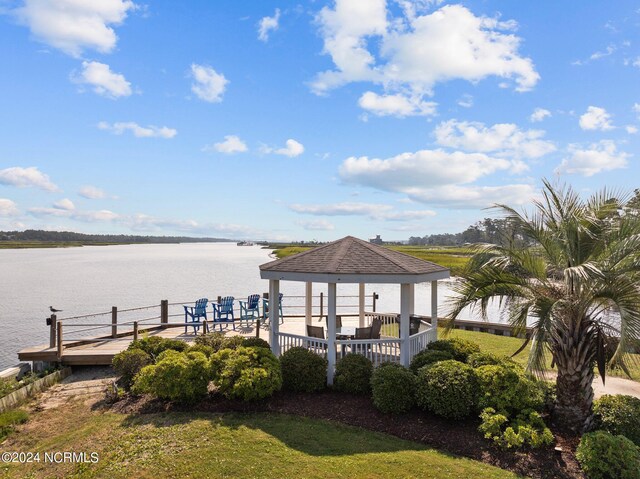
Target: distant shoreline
{"points": [[77, 244]]}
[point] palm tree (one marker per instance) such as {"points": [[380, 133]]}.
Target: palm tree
{"points": [[579, 270]]}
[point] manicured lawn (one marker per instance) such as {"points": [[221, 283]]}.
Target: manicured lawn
{"points": [[225, 446]]}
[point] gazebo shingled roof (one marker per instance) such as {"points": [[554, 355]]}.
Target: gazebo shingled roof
{"points": [[350, 257]]}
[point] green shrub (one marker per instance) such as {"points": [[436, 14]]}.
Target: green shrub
{"points": [[426, 357], [10, 419], [459, 348], [179, 376], [128, 363], [476, 360], [528, 429], [201, 348], [353, 374], [506, 388], [393, 388], [155, 345], [7, 386], [605, 456], [246, 373], [447, 388], [619, 414], [303, 370], [214, 340], [254, 342]]}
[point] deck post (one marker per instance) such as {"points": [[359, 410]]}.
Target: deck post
{"points": [[405, 295], [274, 293], [331, 333], [114, 321], [164, 312], [375, 298], [59, 340], [52, 331], [434, 305], [135, 330], [308, 303], [361, 305]]}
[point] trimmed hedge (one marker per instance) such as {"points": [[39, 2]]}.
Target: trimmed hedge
{"points": [[476, 360], [254, 342], [618, 414], [393, 388], [459, 348], [156, 345], [426, 357], [605, 456], [353, 374], [128, 363], [303, 370], [448, 389], [528, 429], [506, 388], [246, 373]]}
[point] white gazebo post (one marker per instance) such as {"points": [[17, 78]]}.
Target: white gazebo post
{"points": [[361, 305], [274, 308], [405, 296], [434, 305], [331, 333], [412, 299], [308, 303]]}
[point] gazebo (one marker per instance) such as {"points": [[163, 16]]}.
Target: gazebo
{"points": [[351, 260]]}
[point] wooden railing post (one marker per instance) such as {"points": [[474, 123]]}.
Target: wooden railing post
{"points": [[375, 298], [135, 330], [52, 330], [59, 340], [114, 321], [164, 312]]}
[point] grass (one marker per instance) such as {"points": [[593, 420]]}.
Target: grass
{"points": [[9, 420], [240, 446]]}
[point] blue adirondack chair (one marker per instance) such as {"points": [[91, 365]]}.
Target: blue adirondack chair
{"points": [[250, 309], [196, 313], [265, 310], [223, 312]]}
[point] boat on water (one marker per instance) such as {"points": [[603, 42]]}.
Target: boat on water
{"points": [[245, 243]]}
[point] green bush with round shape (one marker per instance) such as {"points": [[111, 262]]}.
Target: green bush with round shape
{"points": [[215, 340], [605, 456], [246, 373], [353, 374], [459, 348], [201, 348], [428, 356], [254, 342], [506, 388], [528, 429], [482, 358], [178, 376], [618, 414], [303, 370], [448, 389], [128, 363], [393, 388], [155, 345]]}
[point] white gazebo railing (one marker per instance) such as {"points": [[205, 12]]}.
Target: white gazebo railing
{"points": [[288, 341], [378, 351], [418, 342]]}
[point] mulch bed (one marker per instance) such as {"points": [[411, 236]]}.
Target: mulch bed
{"points": [[457, 437]]}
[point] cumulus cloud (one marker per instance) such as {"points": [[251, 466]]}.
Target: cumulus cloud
{"points": [[267, 25], [291, 149], [103, 81], [598, 157], [78, 215], [91, 192], [8, 207], [208, 85], [150, 131], [596, 118], [396, 105], [231, 144], [74, 26], [465, 101], [374, 211], [539, 114], [417, 51], [64, 204], [472, 196], [503, 139], [25, 177], [316, 225], [632, 130]]}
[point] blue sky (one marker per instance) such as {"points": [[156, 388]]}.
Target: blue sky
{"points": [[314, 120]]}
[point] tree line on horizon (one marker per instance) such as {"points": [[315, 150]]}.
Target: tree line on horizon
{"points": [[70, 236]]}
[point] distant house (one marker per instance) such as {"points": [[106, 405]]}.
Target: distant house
{"points": [[376, 240]]}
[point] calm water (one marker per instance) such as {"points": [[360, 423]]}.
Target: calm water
{"points": [[95, 278]]}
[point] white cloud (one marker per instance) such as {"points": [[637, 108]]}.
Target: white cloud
{"points": [[632, 130], [91, 192], [231, 144], [601, 156], [8, 207], [396, 105], [292, 149], [268, 24], [539, 114], [504, 139], [636, 108], [150, 131], [64, 204], [84, 216], [374, 211], [316, 225], [465, 101], [458, 196], [24, 177], [596, 118], [103, 80], [208, 85], [417, 51], [73, 25]]}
